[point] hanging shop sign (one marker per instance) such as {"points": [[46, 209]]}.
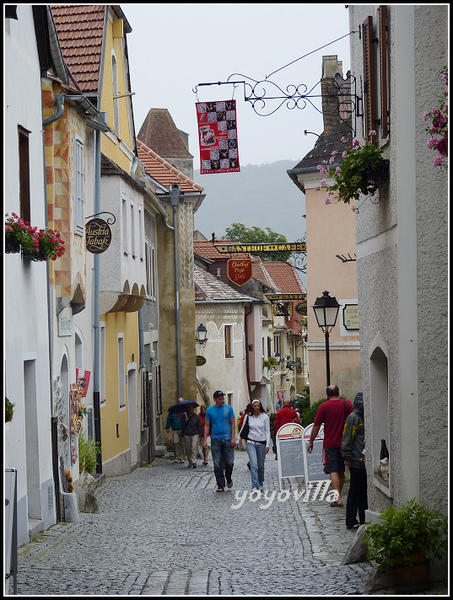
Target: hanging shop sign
{"points": [[241, 248], [239, 271], [98, 236], [200, 360], [216, 122]]}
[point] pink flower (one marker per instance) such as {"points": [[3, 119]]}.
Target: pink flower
{"points": [[328, 201], [438, 161]]}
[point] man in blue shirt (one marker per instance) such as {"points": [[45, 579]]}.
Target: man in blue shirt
{"points": [[220, 425]]}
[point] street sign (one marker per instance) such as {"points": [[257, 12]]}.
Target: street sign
{"points": [[242, 248], [290, 452]]}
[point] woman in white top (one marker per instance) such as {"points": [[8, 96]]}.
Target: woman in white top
{"points": [[258, 441]]}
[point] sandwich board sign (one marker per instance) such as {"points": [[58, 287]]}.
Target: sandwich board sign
{"points": [[290, 451], [313, 463]]}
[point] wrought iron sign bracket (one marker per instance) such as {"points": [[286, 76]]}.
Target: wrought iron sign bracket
{"points": [[266, 97], [110, 220]]}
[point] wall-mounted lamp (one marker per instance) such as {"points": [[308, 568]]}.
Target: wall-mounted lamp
{"points": [[202, 334]]}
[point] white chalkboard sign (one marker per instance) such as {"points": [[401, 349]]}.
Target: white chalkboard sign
{"points": [[314, 467], [290, 451]]}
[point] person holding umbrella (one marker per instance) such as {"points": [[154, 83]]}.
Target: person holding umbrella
{"points": [[174, 422], [191, 431]]}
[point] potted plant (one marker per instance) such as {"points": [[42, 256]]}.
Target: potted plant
{"points": [[438, 128], [404, 540], [17, 234], [9, 410], [360, 171]]}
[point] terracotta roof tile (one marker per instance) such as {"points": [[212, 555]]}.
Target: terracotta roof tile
{"points": [[159, 132], [207, 249], [163, 172], [80, 30], [285, 276]]}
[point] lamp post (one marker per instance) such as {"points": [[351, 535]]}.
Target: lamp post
{"points": [[326, 312]]}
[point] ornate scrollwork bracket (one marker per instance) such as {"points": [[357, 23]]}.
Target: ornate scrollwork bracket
{"points": [[328, 96]]}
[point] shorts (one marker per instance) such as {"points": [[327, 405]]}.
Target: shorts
{"points": [[333, 460]]}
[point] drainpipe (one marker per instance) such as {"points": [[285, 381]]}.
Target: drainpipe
{"points": [[96, 315], [174, 200], [60, 110]]}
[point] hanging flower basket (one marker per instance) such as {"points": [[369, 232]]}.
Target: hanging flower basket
{"points": [[12, 246], [36, 245], [360, 171], [379, 172]]}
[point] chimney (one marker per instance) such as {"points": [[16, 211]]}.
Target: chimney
{"points": [[331, 66]]}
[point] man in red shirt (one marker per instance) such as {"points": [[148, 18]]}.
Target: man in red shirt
{"points": [[333, 414], [285, 415]]}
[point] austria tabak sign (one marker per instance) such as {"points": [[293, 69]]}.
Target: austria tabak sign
{"points": [[239, 271], [98, 236]]}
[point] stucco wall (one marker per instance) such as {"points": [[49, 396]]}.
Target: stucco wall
{"points": [[402, 266]]}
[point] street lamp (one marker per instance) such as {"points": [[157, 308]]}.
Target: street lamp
{"points": [[326, 313], [202, 333]]}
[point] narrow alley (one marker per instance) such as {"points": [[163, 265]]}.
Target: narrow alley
{"points": [[164, 530]]}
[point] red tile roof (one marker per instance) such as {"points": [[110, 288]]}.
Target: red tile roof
{"points": [[163, 172], [285, 276], [80, 31], [207, 249], [159, 132]]}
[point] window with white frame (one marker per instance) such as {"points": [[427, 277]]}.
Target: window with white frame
{"points": [[150, 259], [124, 219], [79, 225], [102, 363], [121, 372]]}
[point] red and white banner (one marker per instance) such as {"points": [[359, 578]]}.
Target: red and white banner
{"points": [[217, 135]]}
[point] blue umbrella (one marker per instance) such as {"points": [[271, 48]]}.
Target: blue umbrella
{"points": [[182, 406]]}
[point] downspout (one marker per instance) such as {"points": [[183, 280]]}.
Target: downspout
{"points": [[96, 315], [174, 200], [247, 314], [60, 110]]}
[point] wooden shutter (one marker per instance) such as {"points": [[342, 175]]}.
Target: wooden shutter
{"points": [[384, 68], [369, 72]]}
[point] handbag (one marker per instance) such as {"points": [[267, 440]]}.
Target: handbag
{"points": [[244, 433]]}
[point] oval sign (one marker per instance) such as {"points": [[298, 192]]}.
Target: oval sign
{"points": [[98, 236], [200, 361]]}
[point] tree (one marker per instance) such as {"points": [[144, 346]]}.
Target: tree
{"points": [[254, 235]]}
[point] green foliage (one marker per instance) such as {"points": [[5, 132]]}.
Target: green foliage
{"points": [[270, 362], [254, 235], [9, 410], [310, 413], [303, 404], [88, 451], [403, 532]]}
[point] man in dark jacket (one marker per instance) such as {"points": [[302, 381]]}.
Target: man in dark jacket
{"points": [[352, 449]]}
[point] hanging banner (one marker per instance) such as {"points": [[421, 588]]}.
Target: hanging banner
{"points": [[239, 271], [218, 137]]}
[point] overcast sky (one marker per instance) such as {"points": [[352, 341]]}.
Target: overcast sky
{"points": [[173, 47]]}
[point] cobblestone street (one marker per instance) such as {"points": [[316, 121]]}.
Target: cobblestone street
{"points": [[164, 530]]}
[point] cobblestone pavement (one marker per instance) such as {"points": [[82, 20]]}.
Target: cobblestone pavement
{"points": [[163, 529]]}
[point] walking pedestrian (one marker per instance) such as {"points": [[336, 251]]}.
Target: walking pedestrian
{"points": [[258, 442], [333, 413], [174, 423], [352, 449], [220, 418], [248, 410], [285, 415], [191, 430], [205, 451]]}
